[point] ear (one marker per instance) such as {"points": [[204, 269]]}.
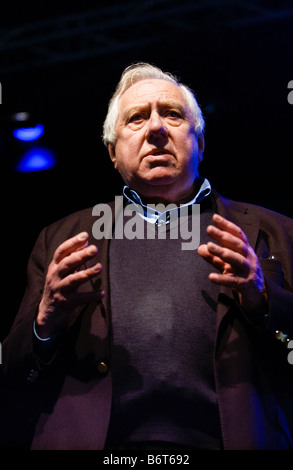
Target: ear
{"points": [[201, 144], [111, 150]]}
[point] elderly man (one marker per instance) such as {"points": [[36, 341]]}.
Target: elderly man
{"points": [[126, 341]]}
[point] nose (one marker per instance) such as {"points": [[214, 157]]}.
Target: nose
{"points": [[156, 127]]}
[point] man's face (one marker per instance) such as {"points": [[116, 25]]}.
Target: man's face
{"points": [[157, 151]]}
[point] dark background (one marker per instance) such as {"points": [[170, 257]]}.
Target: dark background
{"points": [[63, 63]]}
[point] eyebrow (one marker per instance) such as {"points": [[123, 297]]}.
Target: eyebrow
{"points": [[161, 105]]}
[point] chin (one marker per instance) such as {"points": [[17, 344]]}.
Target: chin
{"points": [[160, 177]]}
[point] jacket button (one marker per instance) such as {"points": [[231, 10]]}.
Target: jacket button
{"points": [[102, 367]]}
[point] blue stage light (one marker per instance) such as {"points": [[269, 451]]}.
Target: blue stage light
{"points": [[36, 159], [28, 134]]}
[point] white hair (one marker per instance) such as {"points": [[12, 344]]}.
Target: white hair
{"points": [[133, 74]]}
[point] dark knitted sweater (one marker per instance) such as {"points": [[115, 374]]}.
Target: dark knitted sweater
{"points": [[163, 316]]}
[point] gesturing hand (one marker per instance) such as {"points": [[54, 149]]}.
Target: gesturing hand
{"points": [[237, 262], [64, 276]]}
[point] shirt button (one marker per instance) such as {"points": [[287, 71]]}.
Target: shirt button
{"points": [[102, 367]]}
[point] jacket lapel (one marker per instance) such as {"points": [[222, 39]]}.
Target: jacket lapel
{"points": [[241, 215]]}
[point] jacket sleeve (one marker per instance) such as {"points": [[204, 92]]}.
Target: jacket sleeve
{"points": [[271, 236], [277, 266], [19, 360], [23, 392], [29, 383]]}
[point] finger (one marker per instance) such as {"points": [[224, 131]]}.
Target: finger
{"points": [[75, 260], [238, 262], [70, 245], [215, 261], [74, 280], [226, 280], [226, 239], [229, 226]]}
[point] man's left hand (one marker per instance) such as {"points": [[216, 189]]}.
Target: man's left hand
{"points": [[237, 262]]}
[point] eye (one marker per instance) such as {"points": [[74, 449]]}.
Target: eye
{"points": [[136, 118], [173, 114]]}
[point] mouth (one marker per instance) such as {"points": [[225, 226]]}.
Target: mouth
{"points": [[159, 158], [158, 153]]}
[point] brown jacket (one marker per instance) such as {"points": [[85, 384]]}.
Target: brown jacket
{"points": [[67, 402]]}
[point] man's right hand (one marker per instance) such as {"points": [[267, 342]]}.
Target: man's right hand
{"points": [[64, 276]]}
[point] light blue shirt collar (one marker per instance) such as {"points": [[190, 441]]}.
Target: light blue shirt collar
{"points": [[151, 212]]}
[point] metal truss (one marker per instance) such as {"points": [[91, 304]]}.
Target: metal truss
{"points": [[117, 28]]}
